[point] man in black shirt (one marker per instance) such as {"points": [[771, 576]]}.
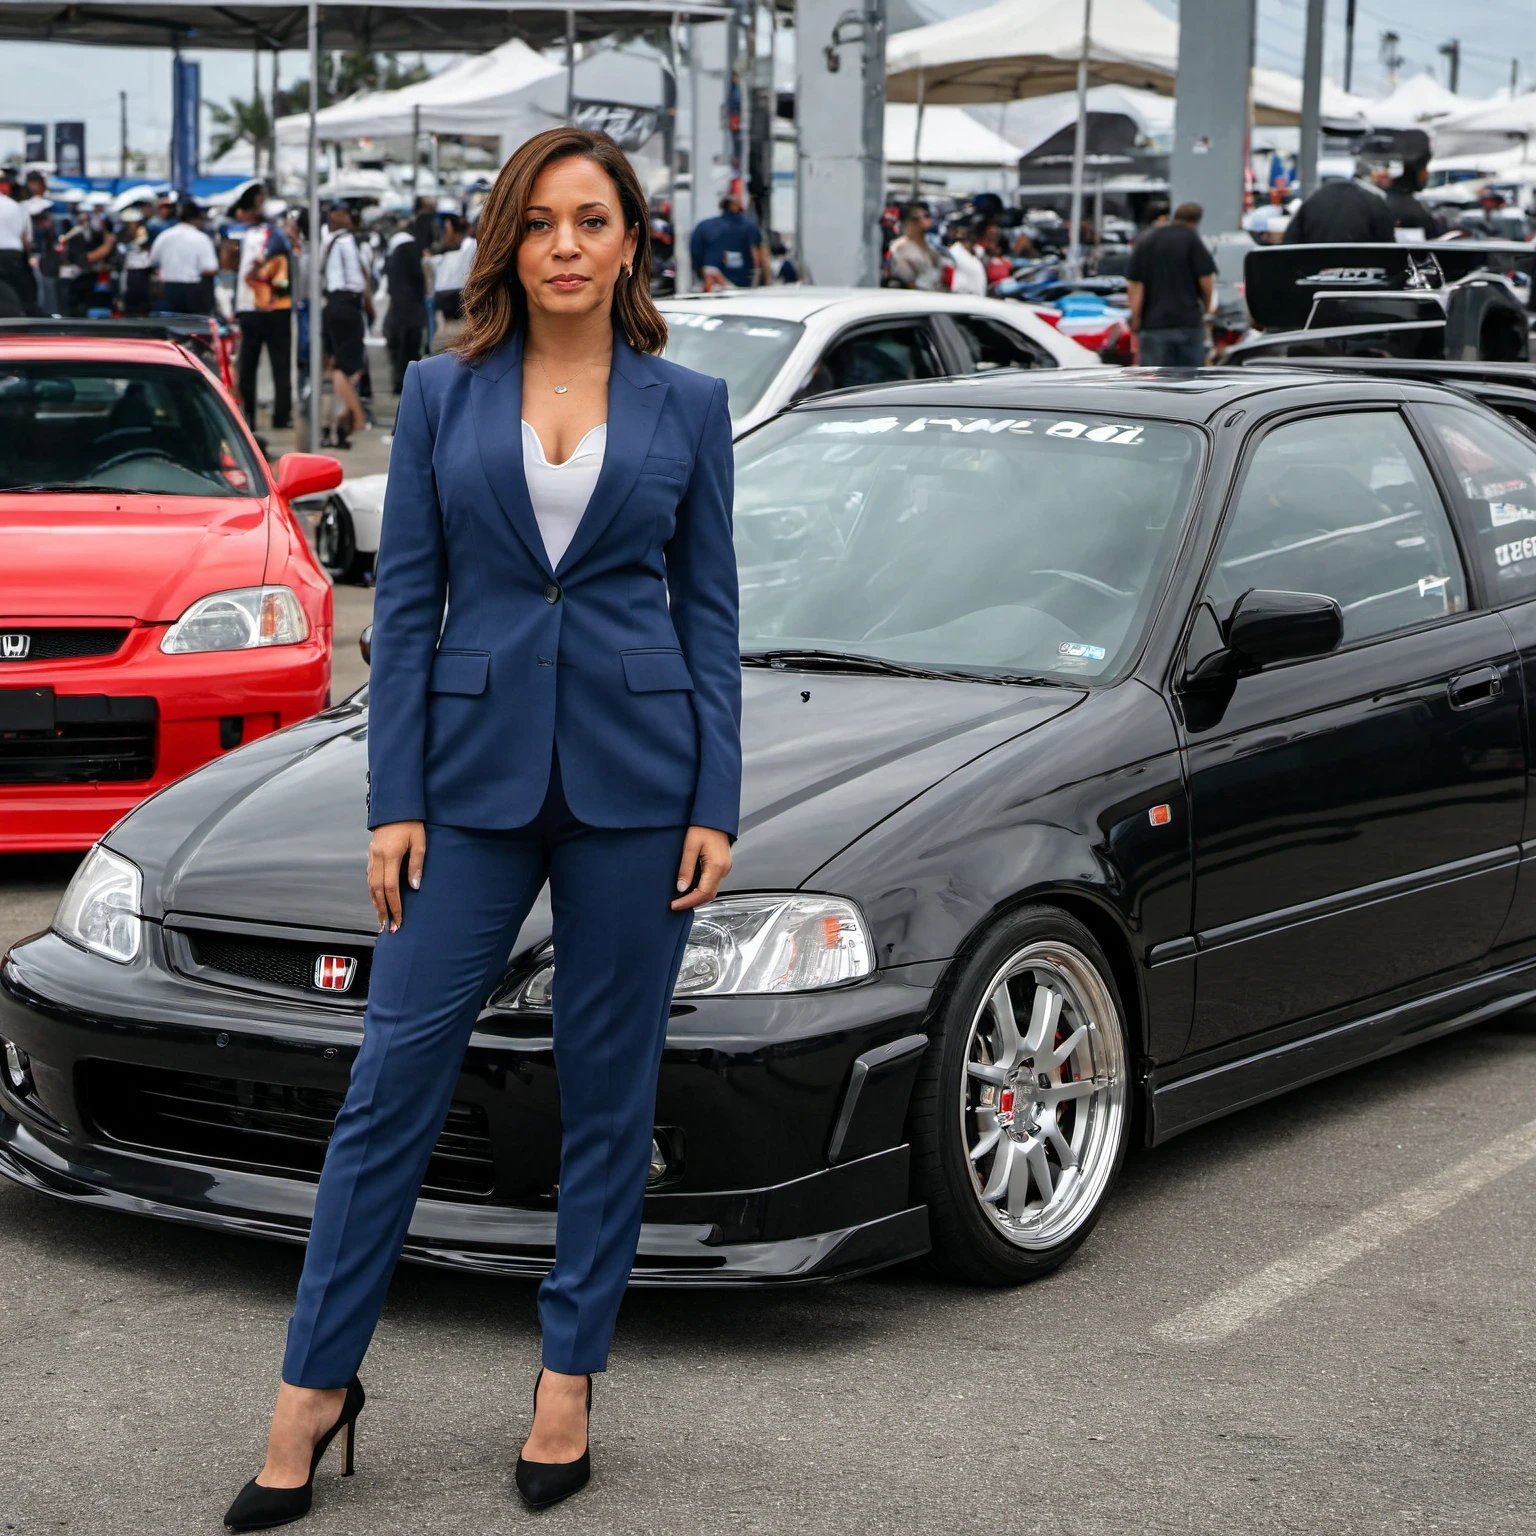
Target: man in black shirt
{"points": [[1170, 281], [1407, 211], [1348, 212]]}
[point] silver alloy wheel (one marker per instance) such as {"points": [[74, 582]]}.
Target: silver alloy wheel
{"points": [[1043, 1101]]}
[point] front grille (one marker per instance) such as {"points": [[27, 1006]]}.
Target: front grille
{"points": [[62, 643], [95, 740], [261, 1127], [283, 963]]}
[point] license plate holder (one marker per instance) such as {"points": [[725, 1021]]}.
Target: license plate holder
{"points": [[26, 709]]}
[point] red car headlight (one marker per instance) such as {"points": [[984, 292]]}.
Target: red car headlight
{"points": [[237, 621]]}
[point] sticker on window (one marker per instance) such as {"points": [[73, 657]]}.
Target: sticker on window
{"points": [[1087, 652], [1510, 554], [1500, 488], [1503, 513]]}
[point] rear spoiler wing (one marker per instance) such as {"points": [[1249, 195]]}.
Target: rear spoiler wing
{"points": [[177, 328], [1281, 282]]}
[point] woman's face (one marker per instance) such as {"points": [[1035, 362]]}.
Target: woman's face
{"points": [[575, 246]]}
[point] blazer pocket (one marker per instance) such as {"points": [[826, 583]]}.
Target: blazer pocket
{"points": [[459, 672], [652, 671], [670, 469]]}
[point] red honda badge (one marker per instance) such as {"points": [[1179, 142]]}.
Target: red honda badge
{"points": [[334, 973]]}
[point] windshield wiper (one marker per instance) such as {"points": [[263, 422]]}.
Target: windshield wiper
{"points": [[46, 485], [853, 661]]}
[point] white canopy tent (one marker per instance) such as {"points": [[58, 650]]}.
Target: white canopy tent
{"points": [[1485, 127], [512, 91], [951, 139], [1419, 102]]}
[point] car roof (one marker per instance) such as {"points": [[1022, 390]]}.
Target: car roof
{"points": [[96, 349], [1178, 394], [793, 302]]}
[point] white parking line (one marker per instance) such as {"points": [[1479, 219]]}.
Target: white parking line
{"points": [[1227, 1311]]}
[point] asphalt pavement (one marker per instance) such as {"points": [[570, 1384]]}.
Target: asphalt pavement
{"points": [[1312, 1317]]}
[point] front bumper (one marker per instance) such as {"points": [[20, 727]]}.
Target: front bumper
{"points": [[777, 1179], [202, 705]]}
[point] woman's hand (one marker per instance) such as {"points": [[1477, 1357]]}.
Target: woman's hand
{"points": [[392, 844], [706, 852]]}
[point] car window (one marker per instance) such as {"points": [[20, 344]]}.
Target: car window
{"points": [[1343, 505], [747, 351], [992, 345], [135, 428], [1493, 472], [878, 354]]}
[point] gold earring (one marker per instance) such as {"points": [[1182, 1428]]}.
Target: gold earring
{"points": [[629, 270]]}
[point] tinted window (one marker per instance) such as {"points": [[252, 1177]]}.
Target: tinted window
{"points": [[992, 345], [992, 542], [1343, 505], [884, 354], [135, 428], [746, 351], [1493, 470]]}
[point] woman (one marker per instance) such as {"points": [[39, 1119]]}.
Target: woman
{"points": [[575, 717]]}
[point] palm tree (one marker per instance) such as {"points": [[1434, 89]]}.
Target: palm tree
{"points": [[242, 122]]}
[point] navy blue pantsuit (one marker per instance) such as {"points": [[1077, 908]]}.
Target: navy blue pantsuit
{"points": [[563, 723]]}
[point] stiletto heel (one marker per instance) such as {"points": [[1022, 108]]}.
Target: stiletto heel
{"points": [[543, 1483], [258, 1508]]}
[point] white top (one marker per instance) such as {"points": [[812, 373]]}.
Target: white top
{"points": [[344, 263], [15, 226], [453, 267], [184, 254], [560, 492], [970, 271]]}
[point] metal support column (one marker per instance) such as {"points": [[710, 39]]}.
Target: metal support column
{"points": [[1311, 99], [316, 275], [1080, 147], [1210, 133]]}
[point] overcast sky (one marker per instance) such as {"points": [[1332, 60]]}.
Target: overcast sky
{"points": [[63, 81]]}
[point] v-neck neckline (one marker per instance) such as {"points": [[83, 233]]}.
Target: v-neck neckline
{"points": [[544, 457]]}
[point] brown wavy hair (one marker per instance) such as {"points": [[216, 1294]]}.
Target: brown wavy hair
{"points": [[494, 304]]}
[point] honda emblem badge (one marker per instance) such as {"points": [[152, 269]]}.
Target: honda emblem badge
{"points": [[14, 647], [334, 973]]}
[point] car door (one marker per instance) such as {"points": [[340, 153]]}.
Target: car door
{"points": [[877, 352], [1355, 817], [986, 344]]}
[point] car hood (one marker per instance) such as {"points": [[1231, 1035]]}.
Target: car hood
{"points": [[138, 557], [825, 758]]}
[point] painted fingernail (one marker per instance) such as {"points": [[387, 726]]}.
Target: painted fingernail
{"points": [[415, 882], [682, 885], [394, 927]]}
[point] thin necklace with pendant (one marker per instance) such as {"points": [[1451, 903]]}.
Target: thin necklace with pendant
{"points": [[559, 389]]}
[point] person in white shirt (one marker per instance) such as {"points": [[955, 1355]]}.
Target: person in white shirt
{"points": [[184, 257], [344, 322], [969, 271], [449, 271], [18, 288]]}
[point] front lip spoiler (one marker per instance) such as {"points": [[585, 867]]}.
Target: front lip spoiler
{"points": [[670, 1255]]}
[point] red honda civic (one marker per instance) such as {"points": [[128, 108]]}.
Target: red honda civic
{"points": [[159, 604]]}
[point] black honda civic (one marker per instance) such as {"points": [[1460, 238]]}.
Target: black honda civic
{"points": [[1121, 748]]}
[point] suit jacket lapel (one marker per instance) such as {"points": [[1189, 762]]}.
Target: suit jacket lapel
{"points": [[496, 406], [634, 407]]}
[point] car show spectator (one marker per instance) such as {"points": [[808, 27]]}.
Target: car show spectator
{"points": [[186, 261], [405, 321], [134, 264], [1408, 213], [449, 270], [264, 304], [18, 287], [1345, 212], [729, 249], [344, 321], [913, 262], [1170, 283], [968, 272]]}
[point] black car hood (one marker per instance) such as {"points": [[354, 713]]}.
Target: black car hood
{"points": [[826, 756]]}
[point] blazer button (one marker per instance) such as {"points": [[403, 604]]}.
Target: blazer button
{"points": [[551, 593]]}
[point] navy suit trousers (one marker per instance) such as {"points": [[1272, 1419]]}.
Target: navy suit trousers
{"points": [[618, 946]]}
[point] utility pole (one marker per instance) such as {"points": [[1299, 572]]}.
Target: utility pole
{"points": [[1514, 78], [122, 134], [1451, 52], [1391, 59], [1349, 43]]}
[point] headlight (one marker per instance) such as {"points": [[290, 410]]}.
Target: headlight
{"points": [[100, 910], [739, 944], [238, 621]]}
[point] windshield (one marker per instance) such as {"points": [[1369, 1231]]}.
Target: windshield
{"points": [[140, 428], [1002, 543], [746, 351]]}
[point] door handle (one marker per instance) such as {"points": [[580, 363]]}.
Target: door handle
{"points": [[1473, 688]]}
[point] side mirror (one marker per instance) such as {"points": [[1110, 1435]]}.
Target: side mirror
{"points": [[1267, 627], [365, 644], [307, 474], [1263, 628]]}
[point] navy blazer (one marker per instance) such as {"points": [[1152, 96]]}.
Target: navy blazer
{"points": [[626, 654]]}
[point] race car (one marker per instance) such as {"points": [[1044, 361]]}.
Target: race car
{"points": [[159, 604]]}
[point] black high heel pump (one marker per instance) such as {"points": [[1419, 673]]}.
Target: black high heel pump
{"points": [[543, 1483], [258, 1508]]}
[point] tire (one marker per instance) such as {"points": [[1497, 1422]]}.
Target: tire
{"points": [[336, 543], [1068, 1125]]}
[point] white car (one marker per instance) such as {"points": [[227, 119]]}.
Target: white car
{"points": [[773, 346]]}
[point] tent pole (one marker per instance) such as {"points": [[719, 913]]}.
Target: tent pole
{"points": [[570, 66], [415, 153], [315, 242], [1311, 100], [1080, 148], [679, 284], [917, 144]]}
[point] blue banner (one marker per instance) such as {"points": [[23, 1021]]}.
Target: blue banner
{"points": [[187, 81], [69, 148]]}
